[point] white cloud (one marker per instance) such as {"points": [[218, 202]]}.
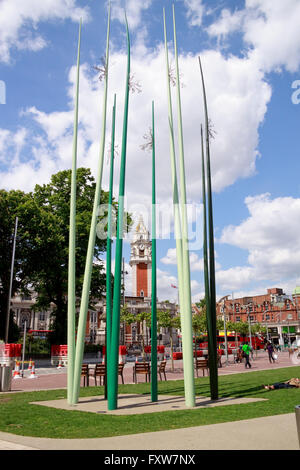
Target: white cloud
{"points": [[270, 235], [237, 106], [227, 23], [195, 11], [196, 263], [11, 145], [19, 22], [134, 10], [270, 29]]}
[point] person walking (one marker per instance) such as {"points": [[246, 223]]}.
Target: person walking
{"points": [[270, 350], [246, 351]]}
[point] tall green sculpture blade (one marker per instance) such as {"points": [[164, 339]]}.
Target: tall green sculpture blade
{"points": [[112, 376], [187, 336], [153, 277], [205, 257], [108, 245], [72, 243], [177, 221], [211, 313], [177, 215], [109, 238], [91, 244]]}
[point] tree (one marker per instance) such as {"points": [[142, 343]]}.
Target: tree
{"points": [[126, 317], [143, 317], [43, 235], [166, 320], [9, 203]]}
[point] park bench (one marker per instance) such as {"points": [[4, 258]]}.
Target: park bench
{"points": [[100, 372], [85, 374], [201, 364], [120, 371], [162, 369], [142, 368]]}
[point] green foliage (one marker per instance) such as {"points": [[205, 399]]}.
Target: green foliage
{"points": [[9, 203], [92, 348], [166, 320], [242, 328], [144, 316], [43, 241], [126, 316], [35, 346], [199, 323]]}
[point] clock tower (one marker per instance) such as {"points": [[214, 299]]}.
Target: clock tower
{"points": [[140, 261]]}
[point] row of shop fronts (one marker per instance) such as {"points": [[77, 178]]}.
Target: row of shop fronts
{"points": [[283, 335]]}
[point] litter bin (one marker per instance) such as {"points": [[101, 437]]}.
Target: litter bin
{"points": [[297, 412], [5, 378]]}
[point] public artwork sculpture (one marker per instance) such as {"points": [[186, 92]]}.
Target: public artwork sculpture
{"points": [[75, 351]]}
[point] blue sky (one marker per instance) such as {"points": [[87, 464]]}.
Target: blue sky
{"points": [[250, 52]]}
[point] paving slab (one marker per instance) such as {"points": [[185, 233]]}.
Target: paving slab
{"points": [[139, 404]]}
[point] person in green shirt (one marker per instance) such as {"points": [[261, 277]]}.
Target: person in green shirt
{"points": [[246, 351]]}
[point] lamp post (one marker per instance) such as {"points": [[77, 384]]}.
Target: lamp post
{"points": [[225, 332], [11, 282], [249, 321]]}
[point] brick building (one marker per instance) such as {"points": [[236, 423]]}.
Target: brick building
{"points": [[275, 310]]}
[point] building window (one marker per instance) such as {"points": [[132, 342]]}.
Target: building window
{"points": [[237, 318], [237, 308], [26, 297], [142, 293], [288, 306], [42, 316]]}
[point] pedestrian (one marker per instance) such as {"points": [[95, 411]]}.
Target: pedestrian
{"points": [[270, 350], [246, 351]]}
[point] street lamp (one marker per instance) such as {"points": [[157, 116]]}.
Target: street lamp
{"points": [[225, 333], [249, 320]]}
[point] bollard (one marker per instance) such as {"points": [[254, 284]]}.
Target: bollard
{"points": [[6, 377], [297, 413]]}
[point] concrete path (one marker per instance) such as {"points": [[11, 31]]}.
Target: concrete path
{"points": [[271, 433]]}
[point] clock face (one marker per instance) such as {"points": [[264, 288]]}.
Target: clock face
{"points": [[142, 247]]}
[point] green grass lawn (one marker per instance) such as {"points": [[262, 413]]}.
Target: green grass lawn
{"points": [[18, 416]]}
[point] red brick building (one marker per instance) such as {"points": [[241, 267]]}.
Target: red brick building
{"points": [[275, 310]]}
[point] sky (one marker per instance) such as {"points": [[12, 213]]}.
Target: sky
{"points": [[250, 53]]}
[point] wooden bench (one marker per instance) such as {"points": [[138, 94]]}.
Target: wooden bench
{"points": [[120, 371], [142, 368], [162, 369], [85, 374], [100, 372], [201, 364]]}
